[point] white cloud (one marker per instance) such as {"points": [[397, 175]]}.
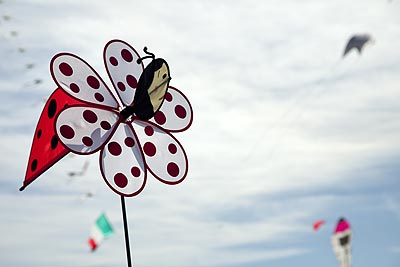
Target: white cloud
{"points": [[276, 112], [395, 249]]}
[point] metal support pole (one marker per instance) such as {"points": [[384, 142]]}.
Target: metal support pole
{"points": [[128, 251]]}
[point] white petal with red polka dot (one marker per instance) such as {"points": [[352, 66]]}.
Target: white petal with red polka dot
{"points": [[122, 164], [84, 129], [164, 155], [120, 60], [176, 113], [78, 79]]}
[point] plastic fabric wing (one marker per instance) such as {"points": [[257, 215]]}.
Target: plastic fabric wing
{"points": [[121, 63], [46, 149], [80, 80], [122, 162], [176, 113], [84, 129], [164, 155]]}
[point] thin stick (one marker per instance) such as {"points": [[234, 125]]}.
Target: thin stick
{"points": [[128, 251]]}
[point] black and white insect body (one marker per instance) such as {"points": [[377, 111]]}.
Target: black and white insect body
{"points": [[151, 88]]}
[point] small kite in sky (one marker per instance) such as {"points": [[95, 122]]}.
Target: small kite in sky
{"points": [[341, 242], [37, 81], [101, 230], [80, 172], [29, 66], [357, 42], [318, 224], [86, 195]]}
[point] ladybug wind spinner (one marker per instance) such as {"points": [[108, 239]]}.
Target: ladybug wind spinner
{"points": [[132, 130]]}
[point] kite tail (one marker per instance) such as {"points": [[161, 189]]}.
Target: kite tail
{"points": [[315, 91]]}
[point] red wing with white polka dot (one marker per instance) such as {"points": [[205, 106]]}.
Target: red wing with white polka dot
{"points": [[121, 62], [176, 113], [80, 80], [122, 162], [85, 129], [164, 155]]}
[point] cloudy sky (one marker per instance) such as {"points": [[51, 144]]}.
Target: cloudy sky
{"points": [[285, 132]]}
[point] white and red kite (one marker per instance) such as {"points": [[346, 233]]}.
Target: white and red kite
{"points": [[341, 242]]}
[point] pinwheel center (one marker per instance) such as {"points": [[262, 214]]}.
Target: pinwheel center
{"points": [[127, 112]]}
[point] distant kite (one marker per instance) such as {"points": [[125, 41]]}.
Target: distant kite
{"points": [[86, 195], [37, 81], [29, 66], [341, 243], [357, 42], [102, 229], [318, 224], [80, 172]]}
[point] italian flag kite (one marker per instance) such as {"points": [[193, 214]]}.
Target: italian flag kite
{"points": [[100, 230]]}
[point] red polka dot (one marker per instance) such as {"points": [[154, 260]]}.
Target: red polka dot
{"points": [[65, 69], [93, 82], [67, 132], [168, 97], [160, 118], [113, 61], [87, 141], [114, 148], [135, 171], [132, 82], [90, 116], [149, 130], [74, 88], [129, 142], [105, 125], [126, 55], [180, 111], [120, 180], [121, 86], [149, 149], [172, 148], [173, 169], [99, 97]]}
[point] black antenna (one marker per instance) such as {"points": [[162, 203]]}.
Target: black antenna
{"points": [[151, 55]]}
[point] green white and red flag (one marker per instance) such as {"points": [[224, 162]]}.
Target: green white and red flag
{"points": [[101, 229]]}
